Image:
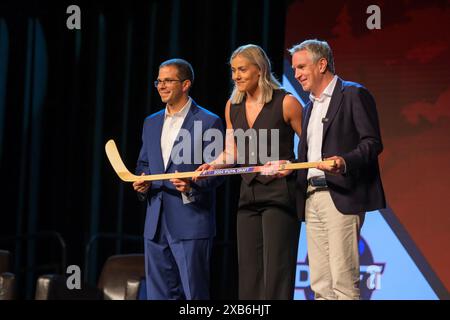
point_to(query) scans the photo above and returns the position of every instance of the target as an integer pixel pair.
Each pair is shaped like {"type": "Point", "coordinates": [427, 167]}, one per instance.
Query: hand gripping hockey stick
{"type": "Point", "coordinates": [125, 175]}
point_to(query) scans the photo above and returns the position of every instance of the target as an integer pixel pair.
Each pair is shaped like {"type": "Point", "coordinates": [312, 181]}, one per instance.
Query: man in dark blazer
{"type": "Point", "coordinates": [180, 220]}
{"type": "Point", "coordinates": [341, 124]}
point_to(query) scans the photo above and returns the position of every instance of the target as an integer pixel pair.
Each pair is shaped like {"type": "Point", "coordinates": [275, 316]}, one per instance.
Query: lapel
{"type": "Point", "coordinates": [307, 115]}
{"type": "Point", "coordinates": [335, 103]}
{"type": "Point", "coordinates": [156, 148]}
{"type": "Point", "coordinates": [304, 135]}
{"type": "Point", "coordinates": [187, 125]}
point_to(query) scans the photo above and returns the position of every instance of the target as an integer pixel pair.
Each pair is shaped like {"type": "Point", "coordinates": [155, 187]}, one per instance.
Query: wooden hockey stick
{"type": "Point", "coordinates": [125, 175]}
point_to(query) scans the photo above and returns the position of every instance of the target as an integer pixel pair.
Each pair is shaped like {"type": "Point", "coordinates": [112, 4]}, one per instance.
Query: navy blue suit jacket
{"type": "Point", "coordinates": [350, 130]}
{"type": "Point", "coordinates": [195, 220]}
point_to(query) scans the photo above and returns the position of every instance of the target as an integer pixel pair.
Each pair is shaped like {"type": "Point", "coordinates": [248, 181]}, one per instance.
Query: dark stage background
{"type": "Point", "coordinates": [64, 93]}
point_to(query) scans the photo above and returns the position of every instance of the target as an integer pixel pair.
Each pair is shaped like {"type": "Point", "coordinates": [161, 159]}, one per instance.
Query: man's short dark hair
{"type": "Point", "coordinates": [185, 71]}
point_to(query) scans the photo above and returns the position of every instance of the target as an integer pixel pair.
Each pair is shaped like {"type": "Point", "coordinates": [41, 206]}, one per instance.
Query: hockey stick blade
{"type": "Point", "coordinates": [116, 162]}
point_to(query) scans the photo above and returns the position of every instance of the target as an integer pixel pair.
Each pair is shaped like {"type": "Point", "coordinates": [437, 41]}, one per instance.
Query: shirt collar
{"type": "Point", "coordinates": [328, 92]}
{"type": "Point", "coordinates": [182, 113]}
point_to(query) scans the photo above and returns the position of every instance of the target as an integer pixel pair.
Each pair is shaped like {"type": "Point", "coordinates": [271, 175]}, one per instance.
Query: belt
{"type": "Point", "coordinates": [317, 182]}
{"type": "Point", "coordinates": [310, 193]}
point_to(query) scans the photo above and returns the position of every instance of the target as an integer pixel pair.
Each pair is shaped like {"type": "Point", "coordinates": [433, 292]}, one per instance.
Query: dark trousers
{"type": "Point", "coordinates": [267, 253]}
{"type": "Point", "coordinates": [268, 235]}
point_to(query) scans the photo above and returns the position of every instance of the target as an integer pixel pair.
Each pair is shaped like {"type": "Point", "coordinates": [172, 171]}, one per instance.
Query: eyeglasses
{"type": "Point", "coordinates": [165, 82]}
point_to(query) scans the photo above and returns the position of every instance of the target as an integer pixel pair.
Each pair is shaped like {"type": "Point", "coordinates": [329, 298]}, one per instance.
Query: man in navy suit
{"type": "Point", "coordinates": [180, 220]}
{"type": "Point", "coordinates": [341, 124]}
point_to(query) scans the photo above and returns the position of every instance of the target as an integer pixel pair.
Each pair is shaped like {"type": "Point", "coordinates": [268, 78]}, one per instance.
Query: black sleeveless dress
{"type": "Point", "coordinates": [258, 190]}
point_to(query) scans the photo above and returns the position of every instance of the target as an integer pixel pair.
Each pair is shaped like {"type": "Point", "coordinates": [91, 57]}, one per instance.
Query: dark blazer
{"type": "Point", "coordinates": [195, 220]}
{"type": "Point", "coordinates": [351, 130]}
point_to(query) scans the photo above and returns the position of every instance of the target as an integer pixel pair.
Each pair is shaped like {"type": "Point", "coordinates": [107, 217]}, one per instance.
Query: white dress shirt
{"type": "Point", "coordinates": [315, 126]}
{"type": "Point", "coordinates": [171, 127]}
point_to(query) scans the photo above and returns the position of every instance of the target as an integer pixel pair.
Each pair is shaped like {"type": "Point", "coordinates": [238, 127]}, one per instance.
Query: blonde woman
{"type": "Point", "coordinates": [267, 224]}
